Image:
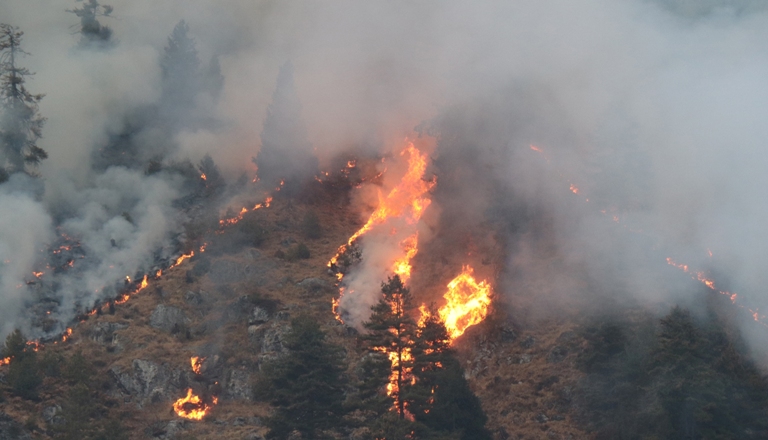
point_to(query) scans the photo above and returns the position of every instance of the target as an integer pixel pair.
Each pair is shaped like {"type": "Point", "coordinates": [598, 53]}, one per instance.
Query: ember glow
{"type": "Point", "coordinates": [467, 303]}
{"type": "Point", "coordinates": [5, 361]}
{"type": "Point", "coordinates": [192, 406]}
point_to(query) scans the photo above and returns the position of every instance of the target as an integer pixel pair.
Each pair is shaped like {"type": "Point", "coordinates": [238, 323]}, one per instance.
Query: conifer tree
{"type": "Point", "coordinates": [305, 385]}
{"type": "Point", "coordinates": [286, 153]}
{"type": "Point", "coordinates": [391, 330]}
{"type": "Point", "coordinates": [20, 123]}
{"type": "Point", "coordinates": [440, 397]}
{"type": "Point", "coordinates": [94, 34]}
{"type": "Point", "coordinates": [180, 72]}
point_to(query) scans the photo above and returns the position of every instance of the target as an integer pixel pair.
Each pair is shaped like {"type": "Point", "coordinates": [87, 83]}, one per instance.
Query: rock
{"type": "Point", "coordinates": [508, 334]}
{"type": "Point", "coordinates": [315, 285]}
{"type": "Point", "coordinates": [11, 429]}
{"type": "Point", "coordinates": [239, 421]}
{"type": "Point", "coordinates": [528, 342]}
{"type": "Point", "coordinates": [227, 271]}
{"type": "Point", "coordinates": [104, 332]}
{"type": "Point", "coordinates": [239, 385]}
{"type": "Point", "coordinates": [525, 359]}
{"type": "Point", "coordinates": [283, 316]}
{"type": "Point", "coordinates": [258, 316]}
{"type": "Point", "coordinates": [557, 354]}
{"type": "Point", "coordinates": [193, 298]}
{"type": "Point", "coordinates": [51, 415]}
{"type": "Point", "coordinates": [541, 418]}
{"type": "Point", "coordinates": [273, 339]}
{"type": "Point", "coordinates": [149, 381]}
{"type": "Point", "coordinates": [254, 436]}
{"type": "Point", "coordinates": [253, 254]}
{"type": "Point", "coordinates": [168, 318]}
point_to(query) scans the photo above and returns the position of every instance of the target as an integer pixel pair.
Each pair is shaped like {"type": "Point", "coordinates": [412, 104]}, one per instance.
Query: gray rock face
{"type": "Point", "coordinates": [239, 385]}
{"type": "Point", "coordinates": [104, 332]}
{"type": "Point", "coordinates": [150, 382]}
{"type": "Point", "coordinates": [273, 339]}
{"type": "Point", "coordinates": [167, 318]}
{"type": "Point", "coordinates": [258, 316]}
{"type": "Point", "coordinates": [51, 415]}
{"type": "Point", "coordinates": [227, 271]}
{"type": "Point", "coordinates": [315, 285]}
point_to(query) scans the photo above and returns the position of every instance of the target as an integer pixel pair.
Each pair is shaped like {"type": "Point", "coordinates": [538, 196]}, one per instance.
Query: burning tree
{"type": "Point", "coordinates": [20, 123]}
{"type": "Point", "coordinates": [391, 330]}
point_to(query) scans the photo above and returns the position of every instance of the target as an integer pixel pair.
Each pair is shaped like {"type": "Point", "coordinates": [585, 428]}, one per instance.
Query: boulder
{"type": "Point", "coordinates": [258, 316]}
{"type": "Point", "coordinates": [557, 354]}
{"type": "Point", "coordinates": [168, 318]}
{"type": "Point", "coordinates": [315, 285]}
{"type": "Point", "coordinates": [239, 385]}
{"type": "Point", "coordinates": [104, 332]}
{"type": "Point", "coordinates": [273, 339]}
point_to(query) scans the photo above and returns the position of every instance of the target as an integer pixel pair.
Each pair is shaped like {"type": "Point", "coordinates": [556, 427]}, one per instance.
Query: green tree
{"type": "Point", "coordinates": [305, 385]}
{"type": "Point", "coordinates": [94, 34]}
{"type": "Point", "coordinates": [391, 330]}
{"type": "Point", "coordinates": [20, 123]}
{"type": "Point", "coordinates": [440, 398]}
{"type": "Point", "coordinates": [23, 373]}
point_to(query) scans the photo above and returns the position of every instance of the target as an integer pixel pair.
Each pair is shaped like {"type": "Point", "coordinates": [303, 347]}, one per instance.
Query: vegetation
{"type": "Point", "coordinates": [20, 123]}
{"type": "Point", "coordinates": [23, 373]}
{"type": "Point", "coordinates": [674, 378]}
{"type": "Point", "coordinates": [94, 34]}
{"type": "Point", "coordinates": [306, 385]}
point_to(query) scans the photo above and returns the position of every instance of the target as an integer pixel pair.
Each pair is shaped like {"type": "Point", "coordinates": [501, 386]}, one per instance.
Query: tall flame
{"type": "Point", "coordinates": [467, 303]}
{"type": "Point", "coordinates": [197, 363]}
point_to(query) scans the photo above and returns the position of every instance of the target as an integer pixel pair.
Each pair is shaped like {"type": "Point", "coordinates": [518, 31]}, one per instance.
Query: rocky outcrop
{"type": "Point", "coordinates": [315, 285]}
{"type": "Point", "coordinates": [168, 318]}
{"type": "Point", "coordinates": [238, 385]}
{"type": "Point", "coordinates": [104, 333]}
{"type": "Point", "coordinates": [149, 382]}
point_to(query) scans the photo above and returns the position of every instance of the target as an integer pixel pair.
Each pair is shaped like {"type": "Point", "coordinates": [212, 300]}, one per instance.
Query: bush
{"type": "Point", "coordinates": [51, 363]}
{"type": "Point", "coordinates": [298, 252]}
{"type": "Point", "coordinates": [310, 226]}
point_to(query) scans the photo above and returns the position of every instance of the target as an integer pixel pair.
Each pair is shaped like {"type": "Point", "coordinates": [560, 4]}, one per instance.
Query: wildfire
{"type": "Point", "coordinates": [467, 303]}
{"type": "Point", "coordinates": [192, 407]}
{"type": "Point", "coordinates": [5, 361]}
{"type": "Point", "coordinates": [233, 220]}
{"type": "Point", "coordinates": [197, 363]}
{"type": "Point", "coordinates": [182, 258]}
{"type": "Point", "coordinates": [408, 198]}
{"type": "Point", "coordinates": [202, 176]}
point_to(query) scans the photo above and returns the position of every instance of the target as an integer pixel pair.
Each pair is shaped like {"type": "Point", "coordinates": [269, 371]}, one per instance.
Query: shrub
{"type": "Point", "coordinates": [310, 226]}
{"type": "Point", "coordinates": [298, 252]}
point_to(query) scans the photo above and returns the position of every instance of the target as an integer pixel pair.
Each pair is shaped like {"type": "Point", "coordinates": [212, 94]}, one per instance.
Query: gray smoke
{"type": "Point", "coordinates": [653, 109]}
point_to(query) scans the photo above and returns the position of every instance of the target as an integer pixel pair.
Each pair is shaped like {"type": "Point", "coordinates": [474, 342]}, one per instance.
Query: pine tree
{"type": "Point", "coordinates": [391, 330]}
{"type": "Point", "coordinates": [180, 73]}
{"type": "Point", "coordinates": [286, 153]}
{"type": "Point", "coordinates": [305, 386]}
{"type": "Point", "coordinates": [440, 398]}
{"type": "Point", "coordinates": [24, 372]}
{"type": "Point", "coordinates": [20, 123]}
{"type": "Point", "coordinates": [94, 34]}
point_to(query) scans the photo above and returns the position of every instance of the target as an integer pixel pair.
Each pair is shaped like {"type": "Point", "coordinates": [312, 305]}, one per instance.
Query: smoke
{"type": "Point", "coordinates": [651, 109]}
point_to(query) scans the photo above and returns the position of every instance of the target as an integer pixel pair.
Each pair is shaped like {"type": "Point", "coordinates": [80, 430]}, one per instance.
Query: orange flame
{"type": "Point", "coordinates": [467, 303]}
{"type": "Point", "coordinates": [197, 363]}
{"type": "Point", "coordinates": [5, 361]}
{"type": "Point", "coordinates": [182, 258]}
{"type": "Point", "coordinates": [408, 198]}
{"type": "Point", "coordinates": [202, 176]}
{"type": "Point", "coordinates": [192, 407]}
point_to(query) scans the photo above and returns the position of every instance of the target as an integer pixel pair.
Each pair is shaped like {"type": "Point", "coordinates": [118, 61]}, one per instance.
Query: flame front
{"type": "Point", "coordinates": [192, 407]}
{"type": "Point", "coordinates": [467, 303]}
